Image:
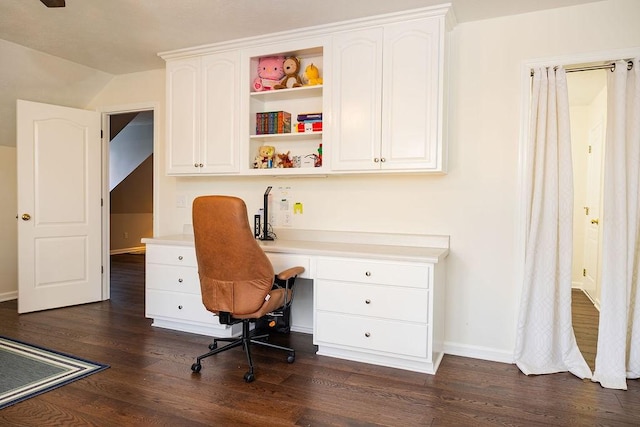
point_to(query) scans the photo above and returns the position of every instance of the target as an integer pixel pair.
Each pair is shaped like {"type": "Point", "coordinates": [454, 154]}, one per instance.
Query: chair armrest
{"type": "Point", "coordinates": [290, 272]}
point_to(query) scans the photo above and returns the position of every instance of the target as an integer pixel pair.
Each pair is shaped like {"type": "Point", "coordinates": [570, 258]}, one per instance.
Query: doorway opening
{"type": "Point", "coordinates": [129, 174]}
{"type": "Point", "coordinates": [588, 113]}
{"type": "Point", "coordinates": [130, 180]}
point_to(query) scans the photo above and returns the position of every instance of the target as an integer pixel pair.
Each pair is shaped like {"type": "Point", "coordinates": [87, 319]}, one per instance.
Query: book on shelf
{"type": "Point", "coordinates": [309, 127]}
{"type": "Point", "coordinates": [309, 117]}
{"type": "Point", "coordinates": [273, 122]}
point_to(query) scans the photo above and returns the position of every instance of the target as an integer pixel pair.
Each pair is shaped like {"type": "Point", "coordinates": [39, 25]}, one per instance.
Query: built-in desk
{"type": "Point", "coordinates": [373, 297]}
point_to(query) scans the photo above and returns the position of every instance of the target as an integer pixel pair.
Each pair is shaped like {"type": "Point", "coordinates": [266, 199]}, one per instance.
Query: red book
{"type": "Point", "coordinates": [310, 127]}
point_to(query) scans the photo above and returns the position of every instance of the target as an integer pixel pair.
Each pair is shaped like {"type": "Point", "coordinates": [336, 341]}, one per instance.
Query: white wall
{"type": "Point", "coordinates": [8, 224]}
{"type": "Point", "coordinates": [34, 76]}
{"type": "Point", "coordinates": [476, 203]}
{"type": "Point", "coordinates": [486, 131]}
{"type": "Point", "coordinates": [131, 91]}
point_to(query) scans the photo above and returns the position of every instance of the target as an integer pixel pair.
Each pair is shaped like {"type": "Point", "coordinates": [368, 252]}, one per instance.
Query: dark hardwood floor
{"type": "Point", "coordinates": [585, 317]}
{"type": "Point", "coordinates": [150, 381]}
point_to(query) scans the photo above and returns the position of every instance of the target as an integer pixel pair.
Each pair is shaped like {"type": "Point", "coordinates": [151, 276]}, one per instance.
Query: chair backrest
{"type": "Point", "coordinates": [235, 274]}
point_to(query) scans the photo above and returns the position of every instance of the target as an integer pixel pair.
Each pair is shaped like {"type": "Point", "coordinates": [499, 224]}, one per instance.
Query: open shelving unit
{"type": "Point", "coordinates": [305, 99]}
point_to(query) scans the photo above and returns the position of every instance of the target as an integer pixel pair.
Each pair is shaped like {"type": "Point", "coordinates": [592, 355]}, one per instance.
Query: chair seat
{"type": "Point", "coordinates": [275, 301]}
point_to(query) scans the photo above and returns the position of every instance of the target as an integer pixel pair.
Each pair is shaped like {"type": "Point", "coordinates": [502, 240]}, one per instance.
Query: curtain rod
{"type": "Point", "coordinates": [611, 67]}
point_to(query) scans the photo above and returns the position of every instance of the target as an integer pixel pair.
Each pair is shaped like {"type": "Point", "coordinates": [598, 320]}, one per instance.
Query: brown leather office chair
{"type": "Point", "coordinates": [236, 277]}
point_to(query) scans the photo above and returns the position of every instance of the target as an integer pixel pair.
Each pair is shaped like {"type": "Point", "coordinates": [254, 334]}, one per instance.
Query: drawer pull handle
{"type": "Point", "coordinates": [367, 334]}
{"type": "Point", "coordinates": [180, 280]}
{"type": "Point", "coordinates": [368, 274]}
{"type": "Point", "coordinates": [180, 258]}
{"type": "Point", "coordinates": [179, 307]}
{"type": "Point", "coordinates": [367, 301]}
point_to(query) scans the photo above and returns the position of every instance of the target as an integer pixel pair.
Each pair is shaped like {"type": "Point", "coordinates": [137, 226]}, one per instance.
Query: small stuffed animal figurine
{"type": "Point", "coordinates": [313, 75]}
{"type": "Point", "coordinates": [284, 160]}
{"type": "Point", "coordinates": [270, 72]}
{"type": "Point", "coordinates": [291, 69]}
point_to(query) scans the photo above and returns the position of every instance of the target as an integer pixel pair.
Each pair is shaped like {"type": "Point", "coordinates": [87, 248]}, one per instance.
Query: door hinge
{"type": "Point", "coordinates": [584, 272]}
{"type": "Point", "coordinates": [102, 269]}
{"type": "Point", "coordinates": [589, 149]}
{"type": "Point", "coordinates": [101, 202]}
{"type": "Point", "coordinates": [101, 134]}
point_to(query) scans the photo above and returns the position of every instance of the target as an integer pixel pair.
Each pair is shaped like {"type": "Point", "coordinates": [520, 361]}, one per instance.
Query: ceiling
{"type": "Point", "coordinates": [124, 36]}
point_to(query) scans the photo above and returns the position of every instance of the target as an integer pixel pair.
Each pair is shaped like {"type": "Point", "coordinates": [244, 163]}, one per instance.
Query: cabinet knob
{"type": "Point", "coordinates": [368, 274]}
{"type": "Point", "coordinates": [367, 301]}
{"type": "Point", "coordinates": [201, 165]}
{"type": "Point", "coordinates": [376, 160]}
{"type": "Point", "coordinates": [195, 165]}
{"type": "Point", "coordinates": [180, 258]}
{"type": "Point", "coordinates": [382, 159]}
{"type": "Point", "coordinates": [179, 307]}
{"type": "Point", "coordinates": [180, 280]}
{"type": "Point", "coordinates": [367, 334]}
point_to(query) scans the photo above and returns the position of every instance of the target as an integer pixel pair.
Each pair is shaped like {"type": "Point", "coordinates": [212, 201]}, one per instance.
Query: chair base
{"type": "Point", "coordinates": [246, 340]}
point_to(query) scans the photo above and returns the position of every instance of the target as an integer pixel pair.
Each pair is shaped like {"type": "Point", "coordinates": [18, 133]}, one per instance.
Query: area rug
{"type": "Point", "coordinates": [27, 370]}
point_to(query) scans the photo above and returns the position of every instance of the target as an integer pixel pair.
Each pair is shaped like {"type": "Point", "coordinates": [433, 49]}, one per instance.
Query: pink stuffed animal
{"type": "Point", "coordinates": [270, 72]}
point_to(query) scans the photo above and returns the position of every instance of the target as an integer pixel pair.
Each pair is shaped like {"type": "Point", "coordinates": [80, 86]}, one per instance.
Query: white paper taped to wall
{"type": "Point", "coordinates": [285, 207]}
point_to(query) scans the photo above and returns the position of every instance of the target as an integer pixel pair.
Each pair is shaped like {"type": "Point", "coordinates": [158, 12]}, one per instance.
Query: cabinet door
{"type": "Point", "coordinates": [183, 126]}
{"type": "Point", "coordinates": [356, 99]}
{"type": "Point", "coordinates": [411, 76]}
{"type": "Point", "coordinates": [220, 113]}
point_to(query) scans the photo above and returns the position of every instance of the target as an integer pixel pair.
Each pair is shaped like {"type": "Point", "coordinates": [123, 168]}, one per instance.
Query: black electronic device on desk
{"type": "Point", "coordinates": [266, 235]}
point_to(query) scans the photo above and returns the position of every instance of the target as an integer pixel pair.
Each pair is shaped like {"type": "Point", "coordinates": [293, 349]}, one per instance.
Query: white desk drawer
{"type": "Point", "coordinates": [408, 339]}
{"type": "Point", "coordinates": [172, 278]}
{"type": "Point", "coordinates": [172, 255]}
{"type": "Point", "coordinates": [281, 262]}
{"type": "Point", "coordinates": [178, 306]}
{"type": "Point", "coordinates": [395, 303]}
{"type": "Point", "coordinates": [380, 272]}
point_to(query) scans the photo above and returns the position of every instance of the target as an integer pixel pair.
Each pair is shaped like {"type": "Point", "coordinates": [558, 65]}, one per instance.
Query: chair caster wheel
{"type": "Point", "coordinates": [249, 377]}
{"type": "Point", "coordinates": [213, 346]}
{"type": "Point", "coordinates": [291, 358]}
{"type": "Point", "coordinates": [196, 367]}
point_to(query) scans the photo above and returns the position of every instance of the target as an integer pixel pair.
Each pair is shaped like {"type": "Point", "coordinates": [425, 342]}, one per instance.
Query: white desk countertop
{"type": "Point", "coordinates": [328, 248]}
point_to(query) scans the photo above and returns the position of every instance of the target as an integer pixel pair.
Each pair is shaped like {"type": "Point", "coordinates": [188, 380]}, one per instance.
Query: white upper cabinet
{"type": "Point", "coordinates": [387, 97]}
{"type": "Point", "coordinates": [357, 99]}
{"type": "Point", "coordinates": [380, 101]}
{"type": "Point", "coordinates": [183, 107]}
{"type": "Point", "coordinates": [203, 114]}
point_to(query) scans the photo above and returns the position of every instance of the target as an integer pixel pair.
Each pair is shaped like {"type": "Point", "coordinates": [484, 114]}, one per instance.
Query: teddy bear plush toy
{"type": "Point", "coordinates": [265, 157]}
{"type": "Point", "coordinates": [270, 73]}
{"type": "Point", "coordinates": [291, 70]}
{"type": "Point", "coordinates": [313, 75]}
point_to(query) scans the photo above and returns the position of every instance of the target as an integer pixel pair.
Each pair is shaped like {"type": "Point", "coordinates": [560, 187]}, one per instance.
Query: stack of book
{"type": "Point", "coordinates": [273, 122]}
{"type": "Point", "coordinates": [309, 122]}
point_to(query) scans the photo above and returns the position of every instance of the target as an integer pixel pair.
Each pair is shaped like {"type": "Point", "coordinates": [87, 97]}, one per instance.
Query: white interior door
{"type": "Point", "coordinates": [592, 218]}
{"type": "Point", "coordinates": [59, 206]}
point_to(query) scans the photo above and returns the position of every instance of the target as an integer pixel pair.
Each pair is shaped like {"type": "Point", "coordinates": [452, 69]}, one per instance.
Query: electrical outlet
{"type": "Point", "coordinates": [181, 201]}
{"type": "Point", "coordinates": [286, 219]}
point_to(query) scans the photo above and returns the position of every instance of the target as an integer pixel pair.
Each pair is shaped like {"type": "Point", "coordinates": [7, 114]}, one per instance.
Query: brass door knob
{"type": "Point", "coordinates": [26, 217]}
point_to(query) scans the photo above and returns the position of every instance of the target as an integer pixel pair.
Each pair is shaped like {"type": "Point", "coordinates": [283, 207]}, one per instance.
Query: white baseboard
{"type": "Point", "coordinates": [477, 352]}
{"type": "Point", "coordinates": [8, 296]}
